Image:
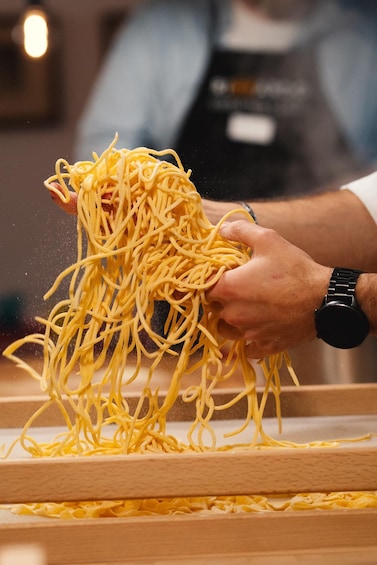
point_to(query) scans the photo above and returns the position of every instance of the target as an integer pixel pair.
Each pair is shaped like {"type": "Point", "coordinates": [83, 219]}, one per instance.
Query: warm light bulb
{"type": "Point", "coordinates": [35, 30]}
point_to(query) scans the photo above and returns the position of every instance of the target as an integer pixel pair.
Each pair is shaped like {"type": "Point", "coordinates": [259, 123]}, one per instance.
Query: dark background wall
{"type": "Point", "coordinates": [37, 241]}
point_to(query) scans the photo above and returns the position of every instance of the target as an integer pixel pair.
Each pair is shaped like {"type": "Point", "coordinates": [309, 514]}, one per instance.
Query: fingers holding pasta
{"type": "Point", "coordinates": [270, 300]}
{"type": "Point", "coordinates": [66, 203]}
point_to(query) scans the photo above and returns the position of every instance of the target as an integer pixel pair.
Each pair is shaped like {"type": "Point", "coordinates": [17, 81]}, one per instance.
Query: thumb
{"type": "Point", "coordinates": [241, 231]}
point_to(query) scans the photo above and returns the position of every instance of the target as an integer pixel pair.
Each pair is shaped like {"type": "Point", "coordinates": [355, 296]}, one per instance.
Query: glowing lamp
{"type": "Point", "coordinates": [35, 32]}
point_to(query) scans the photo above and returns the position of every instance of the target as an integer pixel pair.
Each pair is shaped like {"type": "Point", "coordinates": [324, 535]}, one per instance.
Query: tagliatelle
{"type": "Point", "coordinates": [202, 505]}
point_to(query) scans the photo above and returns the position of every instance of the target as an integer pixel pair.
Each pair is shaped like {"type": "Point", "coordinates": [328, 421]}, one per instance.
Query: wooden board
{"type": "Point", "coordinates": [349, 467]}
{"type": "Point", "coordinates": [309, 401]}
{"type": "Point", "coordinates": [188, 474]}
{"type": "Point", "coordinates": [122, 540]}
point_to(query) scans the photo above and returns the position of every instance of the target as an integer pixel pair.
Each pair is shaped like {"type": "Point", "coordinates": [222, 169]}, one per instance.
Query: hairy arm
{"type": "Point", "coordinates": [334, 228]}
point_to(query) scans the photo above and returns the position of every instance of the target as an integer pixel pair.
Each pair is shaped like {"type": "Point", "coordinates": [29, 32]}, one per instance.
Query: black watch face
{"type": "Point", "coordinates": [341, 325]}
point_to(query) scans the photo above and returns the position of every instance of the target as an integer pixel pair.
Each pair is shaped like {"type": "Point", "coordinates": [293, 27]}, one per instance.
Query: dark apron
{"type": "Point", "coordinates": [308, 148]}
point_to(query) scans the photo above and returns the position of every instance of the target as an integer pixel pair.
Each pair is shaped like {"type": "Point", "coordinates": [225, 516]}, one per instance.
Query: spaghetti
{"type": "Point", "coordinates": [143, 238]}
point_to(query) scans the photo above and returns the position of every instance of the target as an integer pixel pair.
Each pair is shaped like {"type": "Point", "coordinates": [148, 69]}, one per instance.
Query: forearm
{"type": "Point", "coordinates": [334, 228]}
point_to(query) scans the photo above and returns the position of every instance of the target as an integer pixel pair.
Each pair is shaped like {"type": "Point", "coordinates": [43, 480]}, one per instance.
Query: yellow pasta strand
{"type": "Point", "coordinates": [143, 238]}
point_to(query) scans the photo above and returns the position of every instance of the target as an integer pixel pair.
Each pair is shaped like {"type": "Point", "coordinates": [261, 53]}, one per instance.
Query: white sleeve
{"type": "Point", "coordinates": [366, 189]}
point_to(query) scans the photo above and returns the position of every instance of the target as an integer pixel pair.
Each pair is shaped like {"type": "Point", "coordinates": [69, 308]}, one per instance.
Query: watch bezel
{"type": "Point", "coordinates": [341, 325]}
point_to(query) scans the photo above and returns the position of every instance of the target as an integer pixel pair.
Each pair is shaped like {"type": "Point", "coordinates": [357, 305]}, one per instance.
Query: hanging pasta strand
{"type": "Point", "coordinates": [143, 238]}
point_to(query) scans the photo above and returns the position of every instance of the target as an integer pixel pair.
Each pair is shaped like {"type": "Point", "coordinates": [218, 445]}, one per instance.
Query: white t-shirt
{"type": "Point", "coordinates": [366, 189]}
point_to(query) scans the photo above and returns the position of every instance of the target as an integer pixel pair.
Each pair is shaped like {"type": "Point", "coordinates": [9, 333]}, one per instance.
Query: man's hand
{"type": "Point", "coordinates": [68, 205]}
{"type": "Point", "coordinates": [269, 301]}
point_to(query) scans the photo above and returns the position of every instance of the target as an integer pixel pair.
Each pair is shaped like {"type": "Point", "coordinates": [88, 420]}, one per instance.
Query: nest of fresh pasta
{"type": "Point", "coordinates": [142, 240]}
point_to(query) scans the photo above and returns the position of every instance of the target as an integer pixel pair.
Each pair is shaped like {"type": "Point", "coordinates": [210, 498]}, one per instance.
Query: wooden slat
{"type": "Point", "coordinates": [188, 474]}
{"type": "Point", "coordinates": [22, 554]}
{"type": "Point", "coordinates": [122, 540]}
{"type": "Point", "coordinates": [311, 400]}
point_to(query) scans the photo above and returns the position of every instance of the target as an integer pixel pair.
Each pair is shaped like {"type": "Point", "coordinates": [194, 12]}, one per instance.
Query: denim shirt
{"type": "Point", "coordinates": [159, 56]}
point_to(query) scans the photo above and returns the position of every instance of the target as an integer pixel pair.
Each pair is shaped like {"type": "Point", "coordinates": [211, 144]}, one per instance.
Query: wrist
{"type": "Point", "coordinates": [366, 296]}
{"type": "Point", "coordinates": [246, 206]}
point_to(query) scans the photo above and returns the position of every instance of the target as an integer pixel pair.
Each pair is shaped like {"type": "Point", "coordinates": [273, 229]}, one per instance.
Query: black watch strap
{"type": "Point", "coordinates": [342, 284]}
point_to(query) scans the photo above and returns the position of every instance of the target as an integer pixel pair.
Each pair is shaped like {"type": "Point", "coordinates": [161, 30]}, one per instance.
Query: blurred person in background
{"type": "Point", "coordinates": [259, 97]}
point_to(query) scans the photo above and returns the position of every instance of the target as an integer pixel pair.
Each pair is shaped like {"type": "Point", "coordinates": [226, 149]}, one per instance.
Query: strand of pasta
{"type": "Point", "coordinates": [142, 238]}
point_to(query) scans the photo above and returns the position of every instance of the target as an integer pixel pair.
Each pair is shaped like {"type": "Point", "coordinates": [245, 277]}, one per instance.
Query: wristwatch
{"type": "Point", "coordinates": [339, 321]}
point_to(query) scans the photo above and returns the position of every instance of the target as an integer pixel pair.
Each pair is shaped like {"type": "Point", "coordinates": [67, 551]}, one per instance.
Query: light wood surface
{"type": "Point", "coordinates": [308, 401]}
{"type": "Point", "coordinates": [246, 471]}
{"type": "Point", "coordinates": [122, 540]}
{"type": "Point", "coordinates": [24, 554]}
{"type": "Point", "coordinates": [188, 474]}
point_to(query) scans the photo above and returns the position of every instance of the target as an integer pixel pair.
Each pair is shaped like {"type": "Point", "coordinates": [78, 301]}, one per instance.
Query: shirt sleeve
{"type": "Point", "coordinates": [148, 78]}
{"type": "Point", "coordinates": [121, 99]}
{"type": "Point", "coordinates": [366, 190]}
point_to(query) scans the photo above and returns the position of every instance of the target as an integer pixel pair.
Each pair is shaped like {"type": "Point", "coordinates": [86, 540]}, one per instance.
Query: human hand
{"type": "Point", "coordinates": [269, 301]}
{"type": "Point", "coordinates": [215, 210]}
{"type": "Point", "coordinates": [68, 205]}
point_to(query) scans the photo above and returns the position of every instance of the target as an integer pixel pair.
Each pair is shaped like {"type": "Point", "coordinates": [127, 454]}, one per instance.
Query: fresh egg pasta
{"type": "Point", "coordinates": [143, 238]}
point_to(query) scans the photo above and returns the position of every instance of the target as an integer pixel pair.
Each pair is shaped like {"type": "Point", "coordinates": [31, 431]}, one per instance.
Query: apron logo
{"type": "Point", "coordinates": [277, 95]}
